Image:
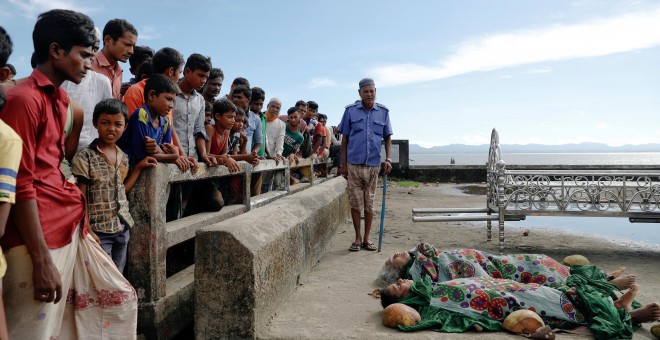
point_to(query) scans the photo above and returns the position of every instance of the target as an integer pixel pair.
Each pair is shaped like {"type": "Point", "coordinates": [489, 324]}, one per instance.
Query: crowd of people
{"type": "Point", "coordinates": [74, 140]}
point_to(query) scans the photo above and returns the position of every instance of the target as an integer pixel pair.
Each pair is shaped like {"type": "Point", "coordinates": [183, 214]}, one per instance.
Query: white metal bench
{"type": "Point", "coordinates": [514, 194]}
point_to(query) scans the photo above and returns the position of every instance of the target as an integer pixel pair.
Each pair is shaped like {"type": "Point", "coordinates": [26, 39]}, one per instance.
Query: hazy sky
{"type": "Point", "coordinates": [549, 72]}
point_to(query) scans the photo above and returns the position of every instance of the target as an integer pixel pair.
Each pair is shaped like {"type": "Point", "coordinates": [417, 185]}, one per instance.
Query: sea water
{"type": "Point", "coordinates": [619, 229]}
{"type": "Point", "coordinates": [627, 158]}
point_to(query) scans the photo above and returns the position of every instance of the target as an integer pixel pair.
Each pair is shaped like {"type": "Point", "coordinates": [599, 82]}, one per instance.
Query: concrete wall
{"type": "Point", "coordinates": [248, 265]}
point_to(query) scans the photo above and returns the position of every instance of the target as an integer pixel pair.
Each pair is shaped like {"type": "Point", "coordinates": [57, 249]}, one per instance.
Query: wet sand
{"type": "Point", "coordinates": [334, 302]}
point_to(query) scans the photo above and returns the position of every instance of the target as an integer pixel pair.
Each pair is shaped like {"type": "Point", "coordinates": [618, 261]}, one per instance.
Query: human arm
{"type": "Point", "coordinates": [279, 140]}
{"type": "Point", "coordinates": [146, 162]}
{"type": "Point", "coordinates": [71, 141]}
{"type": "Point", "coordinates": [83, 189]}
{"type": "Point", "coordinates": [243, 143]}
{"type": "Point", "coordinates": [257, 137]}
{"type": "Point", "coordinates": [343, 170]}
{"type": "Point", "coordinates": [388, 153]}
{"type": "Point", "coordinates": [251, 158]}
{"type": "Point", "coordinates": [203, 155]}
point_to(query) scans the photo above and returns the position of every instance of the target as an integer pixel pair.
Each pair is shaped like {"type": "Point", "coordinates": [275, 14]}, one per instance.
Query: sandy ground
{"type": "Point", "coordinates": [333, 301]}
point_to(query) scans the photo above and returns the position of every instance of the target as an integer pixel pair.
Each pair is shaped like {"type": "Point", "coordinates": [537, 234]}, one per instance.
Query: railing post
{"type": "Point", "coordinates": [148, 246]}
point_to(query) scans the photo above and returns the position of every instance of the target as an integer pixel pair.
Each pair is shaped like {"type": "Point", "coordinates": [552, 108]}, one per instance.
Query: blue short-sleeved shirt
{"type": "Point", "coordinates": [365, 131]}
{"type": "Point", "coordinates": [139, 126]}
{"type": "Point", "coordinates": [253, 131]}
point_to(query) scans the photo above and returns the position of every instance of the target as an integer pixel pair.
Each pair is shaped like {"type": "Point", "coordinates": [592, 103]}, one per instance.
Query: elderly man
{"type": "Point", "coordinates": [364, 126]}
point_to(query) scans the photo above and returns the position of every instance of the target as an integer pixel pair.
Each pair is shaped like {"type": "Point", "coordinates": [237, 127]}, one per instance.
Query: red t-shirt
{"type": "Point", "coordinates": [36, 110]}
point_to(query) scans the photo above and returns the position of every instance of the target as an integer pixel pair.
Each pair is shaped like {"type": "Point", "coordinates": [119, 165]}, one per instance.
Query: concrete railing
{"type": "Point", "coordinates": [166, 304]}
{"type": "Point", "coordinates": [247, 266]}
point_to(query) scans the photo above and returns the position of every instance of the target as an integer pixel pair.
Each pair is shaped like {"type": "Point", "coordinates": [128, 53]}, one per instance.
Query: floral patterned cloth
{"type": "Point", "coordinates": [98, 302]}
{"type": "Point", "coordinates": [444, 265]}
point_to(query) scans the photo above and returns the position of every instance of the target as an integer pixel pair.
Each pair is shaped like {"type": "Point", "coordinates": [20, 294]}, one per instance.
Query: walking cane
{"type": "Point", "coordinates": [382, 213]}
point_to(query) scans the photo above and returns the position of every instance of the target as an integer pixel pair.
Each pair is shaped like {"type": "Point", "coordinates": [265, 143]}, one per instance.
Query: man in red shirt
{"type": "Point", "coordinates": [119, 39]}
{"type": "Point", "coordinates": [46, 238]}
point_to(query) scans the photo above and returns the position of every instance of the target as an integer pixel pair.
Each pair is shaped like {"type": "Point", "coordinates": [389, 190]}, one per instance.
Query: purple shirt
{"type": "Point", "coordinates": [365, 131]}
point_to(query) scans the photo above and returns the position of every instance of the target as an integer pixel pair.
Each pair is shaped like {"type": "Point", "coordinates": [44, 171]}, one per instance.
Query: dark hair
{"type": "Point", "coordinates": [116, 28]}
{"type": "Point", "coordinates": [257, 93]}
{"type": "Point", "coordinates": [165, 58]}
{"type": "Point", "coordinates": [387, 299]}
{"type": "Point", "coordinates": [223, 106]}
{"type": "Point", "coordinates": [6, 47]}
{"type": "Point", "coordinates": [322, 116]}
{"type": "Point", "coordinates": [244, 90]}
{"type": "Point", "coordinates": [292, 110]}
{"type": "Point", "coordinates": [312, 105]}
{"type": "Point", "coordinates": [146, 69]}
{"type": "Point", "coordinates": [110, 106]}
{"type": "Point", "coordinates": [216, 73]}
{"type": "Point", "coordinates": [140, 55]}
{"type": "Point", "coordinates": [11, 68]}
{"type": "Point", "coordinates": [301, 102]}
{"type": "Point", "coordinates": [239, 111]}
{"type": "Point", "coordinates": [2, 101]}
{"type": "Point", "coordinates": [159, 84]}
{"type": "Point", "coordinates": [63, 27]}
{"type": "Point", "coordinates": [197, 61]}
{"type": "Point", "coordinates": [208, 106]}
{"type": "Point", "coordinates": [241, 81]}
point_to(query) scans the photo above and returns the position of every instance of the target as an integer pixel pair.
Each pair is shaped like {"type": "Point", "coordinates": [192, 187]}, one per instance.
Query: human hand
{"type": "Point", "coordinates": [182, 163]}
{"type": "Point", "coordinates": [150, 145]}
{"type": "Point", "coordinates": [192, 162]}
{"type": "Point", "coordinates": [232, 165]}
{"type": "Point", "coordinates": [210, 161]}
{"type": "Point", "coordinates": [388, 168]}
{"type": "Point", "coordinates": [47, 281]}
{"type": "Point", "coordinates": [170, 148]}
{"type": "Point", "coordinates": [278, 159]}
{"type": "Point", "coordinates": [253, 158]}
{"type": "Point", "coordinates": [147, 162]}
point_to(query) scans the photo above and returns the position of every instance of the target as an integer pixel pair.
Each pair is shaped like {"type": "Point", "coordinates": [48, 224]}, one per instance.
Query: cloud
{"type": "Point", "coordinates": [625, 33]}
{"type": "Point", "coordinates": [148, 32]}
{"type": "Point", "coordinates": [539, 70]}
{"type": "Point", "coordinates": [32, 8]}
{"type": "Point", "coordinates": [322, 82]}
{"type": "Point", "coordinates": [601, 126]}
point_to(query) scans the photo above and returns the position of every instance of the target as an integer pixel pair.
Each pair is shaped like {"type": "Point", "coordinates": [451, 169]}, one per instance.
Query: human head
{"type": "Point", "coordinates": [197, 70]}
{"type": "Point", "coordinates": [159, 93]}
{"type": "Point", "coordinates": [6, 47]}
{"type": "Point", "coordinates": [302, 108]}
{"type": "Point", "coordinates": [239, 120]}
{"type": "Point", "coordinates": [395, 292]}
{"type": "Point", "coordinates": [294, 116]}
{"type": "Point", "coordinates": [238, 81]}
{"type": "Point", "coordinates": [274, 106]}
{"type": "Point", "coordinates": [257, 99]}
{"type": "Point", "coordinates": [241, 96]}
{"type": "Point", "coordinates": [312, 109]}
{"type": "Point", "coordinates": [213, 84]}
{"type": "Point", "coordinates": [109, 106]}
{"type": "Point", "coordinates": [119, 39]}
{"type": "Point", "coordinates": [140, 55]}
{"type": "Point", "coordinates": [367, 92]}
{"type": "Point", "coordinates": [323, 119]}
{"type": "Point", "coordinates": [145, 71]}
{"type": "Point", "coordinates": [391, 269]}
{"type": "Point", "coordinates": [168, 61]}
{"type": "Point", "coordinates": [224, 113]}
{"type": "Point", "coordinates": [64, 38]}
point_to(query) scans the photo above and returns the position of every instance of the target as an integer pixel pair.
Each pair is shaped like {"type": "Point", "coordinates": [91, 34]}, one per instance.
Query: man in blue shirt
{"type": "Point", "coordinates": [364, 126]}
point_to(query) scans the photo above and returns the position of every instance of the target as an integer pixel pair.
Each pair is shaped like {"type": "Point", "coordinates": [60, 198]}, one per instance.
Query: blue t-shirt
{"type": "Point", "coordinates": [140, 126]}
{"type": "Point", "coordinates": [365, 131]}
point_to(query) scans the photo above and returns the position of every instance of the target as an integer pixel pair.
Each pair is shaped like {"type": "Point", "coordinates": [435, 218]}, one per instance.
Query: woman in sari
{"type": "Point", "coordinates": [443, 265]}
{"type": "Point", "coordinates": [484, 302]}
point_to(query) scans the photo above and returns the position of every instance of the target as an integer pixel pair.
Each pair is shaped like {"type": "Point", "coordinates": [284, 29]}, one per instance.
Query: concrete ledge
{"type": "Point", "coordinates": [263, 199]}
{"type": "Point", "coordinates": [248, 265]}
{"type": "Point", "coordinates": [165, 318]}
{"type": "Point", "coordinates": [184, 229]}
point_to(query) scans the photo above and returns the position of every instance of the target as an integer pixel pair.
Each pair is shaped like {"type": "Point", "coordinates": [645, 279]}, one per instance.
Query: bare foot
{"type": "Point", "coordinates": [625, 300]}
{"type": "Point", "coordinates": [623, 282]}
{"type": "Point", "coordinates": [648, 313]}
{"type": "Point", "coordinates": [616, 273]}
